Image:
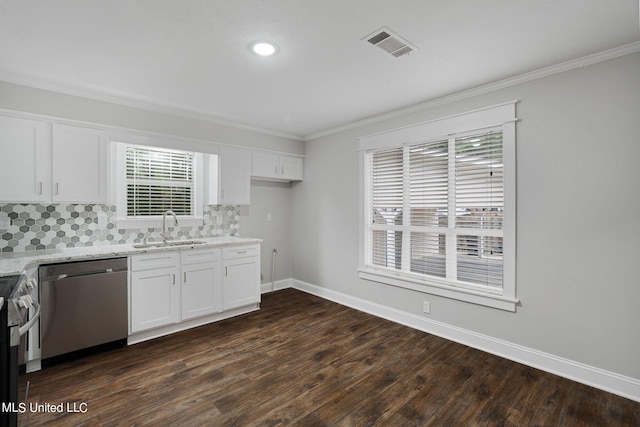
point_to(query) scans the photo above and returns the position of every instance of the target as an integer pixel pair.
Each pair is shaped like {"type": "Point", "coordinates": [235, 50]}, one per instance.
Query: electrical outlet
{"type": "Point", "coordinates": [426, 306]}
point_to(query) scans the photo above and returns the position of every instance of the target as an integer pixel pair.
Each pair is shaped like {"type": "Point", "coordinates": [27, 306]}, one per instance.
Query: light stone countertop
{"type": "Point", "coordinates": [13, 264]}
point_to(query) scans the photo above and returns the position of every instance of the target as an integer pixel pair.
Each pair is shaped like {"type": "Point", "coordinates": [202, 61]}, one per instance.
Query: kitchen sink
{"type": "Point", "coordinates": [184, 242]}
{"type": "Point", "coordinates": [168, 243]}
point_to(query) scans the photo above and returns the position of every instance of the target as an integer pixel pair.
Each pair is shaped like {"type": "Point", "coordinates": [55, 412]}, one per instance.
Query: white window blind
{"type": "Point", "coordinates": [436, 209]}
{"type": "Point", "coordinates": [479, 203]}
{"type": "Point", "coordinates": [159, 180]}
{"type": "Point", "coordinates": [386, 207]}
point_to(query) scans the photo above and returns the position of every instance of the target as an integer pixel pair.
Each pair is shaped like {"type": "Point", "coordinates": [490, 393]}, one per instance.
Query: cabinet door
{"type": "Point", "coordinates": [211, 187]}
{"type": "Point", "coordinates": [266, 165]}
{"type": "Point", "coordinates": [270, 166]}
{"type": "Point", "coordinates": [79, 165]}
{"type": "Point", "coordinates": [235, 176]}
{"type": "Point", "coordinates": [154, 298]}
{"type": "Point", "coordinates": [291, 168]}
{"type": "Point", "coordinates": [241, 282]}
{"type": "Point", "coordinates": [201, 289]}
{"type": "Point", "coordinates": [25, 150]}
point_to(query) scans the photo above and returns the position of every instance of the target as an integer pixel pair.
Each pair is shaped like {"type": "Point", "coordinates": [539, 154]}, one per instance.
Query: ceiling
{"type": "Point", "coordinates": [192, 57]}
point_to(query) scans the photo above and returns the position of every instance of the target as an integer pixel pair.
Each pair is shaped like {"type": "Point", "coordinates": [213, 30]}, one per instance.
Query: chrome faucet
{"type": "Point", "coordinates": [164, 224]}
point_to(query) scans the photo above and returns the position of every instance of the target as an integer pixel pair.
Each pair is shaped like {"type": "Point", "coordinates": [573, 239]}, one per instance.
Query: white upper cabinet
{"type": "Point", "coordinates": [45, 162]}
{"type": "Point", "coordinates": [291, 168]}
{"type": "Point", "coordinates": [41, 165]}
{"type": "Point", "coordinates": [272, 166]}
{"type": "Point", "coordinates": [25, 150]}
{"type": "Point", "coordinates": [80, 165]}
{"type": "Point", "coordinates": [234, 176]}
{"type": "Point", "coordinates": [266, 165]}
{"type": "Point", "coordinates": [211, 176]}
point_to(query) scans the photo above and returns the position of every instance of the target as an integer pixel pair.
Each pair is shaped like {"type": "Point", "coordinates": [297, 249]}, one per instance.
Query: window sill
{"type": "Point", "coordinates": [157, 222]}
{"type": "Point", "coordinates": [434, 288]}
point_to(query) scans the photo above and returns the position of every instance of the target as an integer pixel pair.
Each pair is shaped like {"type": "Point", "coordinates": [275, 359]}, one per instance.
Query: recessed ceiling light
{"type": "Point", "coordinates": [263, 48]}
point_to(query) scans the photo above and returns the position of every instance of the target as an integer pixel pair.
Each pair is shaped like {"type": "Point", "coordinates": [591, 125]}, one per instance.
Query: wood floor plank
{"type": "Point", "coordinates": [305, 361]}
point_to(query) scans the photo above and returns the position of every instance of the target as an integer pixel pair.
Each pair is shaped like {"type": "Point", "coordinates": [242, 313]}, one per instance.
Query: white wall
{"type": "Point", "coordinates": [578, 220]}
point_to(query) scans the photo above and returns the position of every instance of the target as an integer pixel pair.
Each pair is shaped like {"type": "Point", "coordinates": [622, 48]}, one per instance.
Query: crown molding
{"type": "Point", "coordinates": [134, 101]}
{"type": "Point", "coordinates": [490, 87]}
{"type": "Point", "coordinates": [127, 99]}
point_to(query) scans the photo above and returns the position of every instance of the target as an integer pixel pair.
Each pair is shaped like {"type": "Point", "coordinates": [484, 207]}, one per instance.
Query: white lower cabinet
{"type": "Point", "coordinates": [167, 287]}
{"type": "Point", "coordinates": [241, 278]}
{"type": "Point", "coordinates": [201, 290]}
{"type": "Point", "coordinates": [170, 287]}
{"type": "Point", "coordinates": [154, 290]}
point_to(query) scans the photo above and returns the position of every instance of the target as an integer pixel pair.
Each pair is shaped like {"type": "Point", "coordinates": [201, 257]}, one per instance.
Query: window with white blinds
{"type": "Point", "coordinates": [159, 180]}
{"type": "Point", "coordinates": [439, 207]}
{"type": "Point", "coordinates": [435, 208]}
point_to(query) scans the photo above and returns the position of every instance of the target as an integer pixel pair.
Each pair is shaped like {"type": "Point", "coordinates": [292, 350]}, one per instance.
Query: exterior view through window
{"type": "Point", "coordinates": [159, 180]}
{"type": "Point", "coordinates": [435, 208]}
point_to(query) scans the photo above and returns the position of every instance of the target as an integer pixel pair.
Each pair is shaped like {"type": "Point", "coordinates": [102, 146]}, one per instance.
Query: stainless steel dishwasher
{"type": "Point", "coordinates": [84, 304]}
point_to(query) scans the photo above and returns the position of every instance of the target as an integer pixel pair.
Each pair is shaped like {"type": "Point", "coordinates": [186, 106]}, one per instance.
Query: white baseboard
{"type": "Point", "coordinates": [599, 378]}
{"type": "Point", "coordinates": [277, 285]}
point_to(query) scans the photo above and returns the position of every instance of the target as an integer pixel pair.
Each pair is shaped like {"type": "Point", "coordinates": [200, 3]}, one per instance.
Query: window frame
{"type": "Point", "coordinates": [500, 116]}
{"type": "Point", "coordinates": [119, 148]}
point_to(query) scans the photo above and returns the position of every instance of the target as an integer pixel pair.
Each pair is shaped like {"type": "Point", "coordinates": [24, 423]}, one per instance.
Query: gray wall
{"type": "Point", "coordinates": [272, 196]}
{"type": "Point", "coordinates": [37, 101]}
{"type": "Point", "coordinates": [578, 218]}
{"type": "Point", "coordinates": [578, 202]}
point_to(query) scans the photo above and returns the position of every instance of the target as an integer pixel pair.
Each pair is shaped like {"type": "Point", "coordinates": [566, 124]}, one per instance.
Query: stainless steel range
{"type": "Point", "coordinates": [19, 313]}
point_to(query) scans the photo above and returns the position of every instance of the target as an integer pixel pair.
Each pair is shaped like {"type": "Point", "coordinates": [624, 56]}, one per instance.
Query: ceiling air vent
{"type": "Point", "coordinates": [390, 42]}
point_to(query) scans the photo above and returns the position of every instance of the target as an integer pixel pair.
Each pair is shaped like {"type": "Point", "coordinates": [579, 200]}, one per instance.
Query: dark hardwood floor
{"type": "Point", "coordinates": [305, 361]}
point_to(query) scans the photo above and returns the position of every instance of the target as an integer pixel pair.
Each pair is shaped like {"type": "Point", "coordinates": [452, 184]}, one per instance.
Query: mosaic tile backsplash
{"type": "Point", "coordinates": [29, 227]}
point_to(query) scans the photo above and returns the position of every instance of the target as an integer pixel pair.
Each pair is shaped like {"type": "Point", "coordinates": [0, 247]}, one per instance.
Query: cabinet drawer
{"type": "Point", "coordinates": [154, 260]}
{"type": "Point", "coordinates": [240, 251]}
{"type": "Point", "coordinates": [196, 256]}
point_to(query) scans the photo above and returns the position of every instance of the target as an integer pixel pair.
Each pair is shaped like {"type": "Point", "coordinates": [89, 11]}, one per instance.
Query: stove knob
{"type": "Point", "coordinates": [25, 301]}
{"type": "Point", "coordinates": [31, 283]}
